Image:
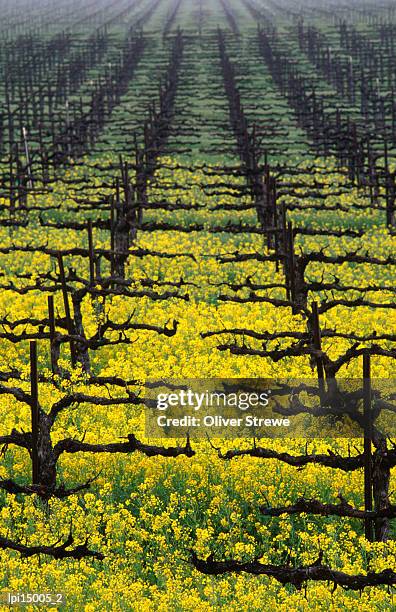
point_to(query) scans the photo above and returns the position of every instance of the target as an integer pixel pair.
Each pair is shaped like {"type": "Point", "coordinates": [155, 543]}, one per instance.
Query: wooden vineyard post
{"type": "Point", "coordinates": [290, 245]}
{"type": "Point", "coordinates": [69, 322]}
{"type": "Point", "coordinates": [267, 205]}
{"type": "Point", "coordinates": [389, 187]}
{"type": "Point", "coordinates": [51, 316]}
{"type": "Point", "coordinates": [390, 192]}
{"type": "Point", "coordinates": [27, 155]}
{"type": "Point", "coordinates": [370, 171]}
{"type": "Point", "coordinates": [368, 486]}
{"type": "Point", "coordinates": [275, 223]}
{"type": "Point", "coordinates": [91, 255]}
{"type": "Point", "coordinates": [112, 237]}
{"type": "Point", "coordinates": [34, 412]}
{"type": "Point", "coordinates": [285, 250]}
{"type": "Point", "coordinates": [318, 346]}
